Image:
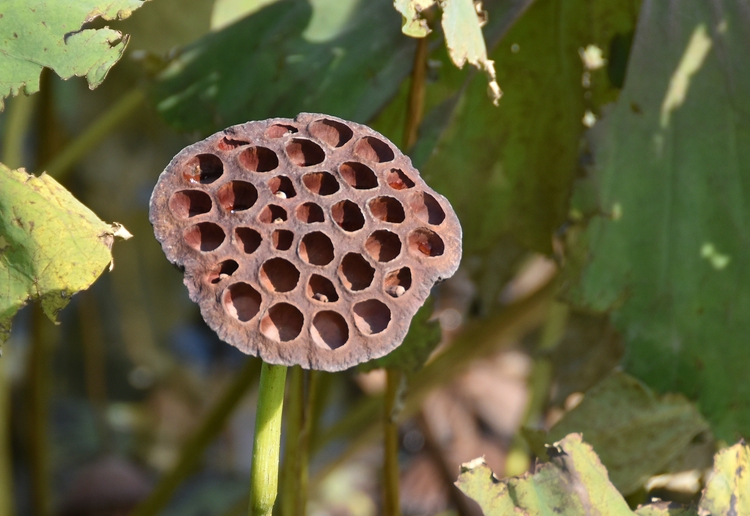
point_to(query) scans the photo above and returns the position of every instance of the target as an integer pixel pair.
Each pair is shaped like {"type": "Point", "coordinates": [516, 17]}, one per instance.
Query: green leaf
{"type": "Point", "coordinates": [51, 245]}
{"type": "Point", "coordinates": [635, 433]}
{"type": "Point", "coordinates": [35, 34]}
{"type": "Point", "coordinates": [670, 258]}
{"type": "Point", "coordinates": [508, 172]}
{"type": "Point", "coordinates": [424, 335]}
{"type": "Point", "coordinates": [573, 482]}
{"type": "Point", "coordinates": [728, 488]}
{"type": "Point", "coordinates": [413, 24]}
{"type": "Point", "coordinates": [287, 58]}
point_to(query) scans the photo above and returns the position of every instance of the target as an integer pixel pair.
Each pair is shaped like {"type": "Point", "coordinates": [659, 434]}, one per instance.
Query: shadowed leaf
{"type": "Point", "coordinates": [669, 258]}
{"type": "Point", "coordinates": [634, 433]}
{"type": "Point", "coordinates": [289, 61]}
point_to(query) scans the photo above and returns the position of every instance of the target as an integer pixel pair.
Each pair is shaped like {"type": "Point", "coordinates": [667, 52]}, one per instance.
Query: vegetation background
{"type": "Point", "coordinates": [604, 288]}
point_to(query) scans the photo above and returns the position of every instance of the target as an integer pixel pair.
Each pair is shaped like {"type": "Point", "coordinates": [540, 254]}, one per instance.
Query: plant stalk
{"type": "Point", "coordinates": [61, 164]}
{"type": "Point", "coordinates": [391, 503]}
{"type": "Point", "coordinates": [194, 448]}
{"type": "Point", "coordinates": [290, 475]}
{"type": "Point", "coordinates": [415, 103]}
{"type": "Point", "coordinates": [264, 475]}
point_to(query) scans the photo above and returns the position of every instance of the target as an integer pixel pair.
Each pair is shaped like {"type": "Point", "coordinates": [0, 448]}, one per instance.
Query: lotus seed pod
{"type": "Point", "coordinates": [309, 242]}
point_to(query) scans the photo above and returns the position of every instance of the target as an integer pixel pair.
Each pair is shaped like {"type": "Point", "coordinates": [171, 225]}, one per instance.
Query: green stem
{"type": "Point", "coordinates": [264, 475]}
{"type": "Point", "coordinates": [194, 448]}
{"type": "Point", "coordinates": [61, 164]}
{"type": "Point", "coordinates": [290, 475]}
{"type": "Point", "coordinates": [38, 380]}
{"type": "Point", "coordinates": [20, 110]}
{"type": "Point", "coordinates": [391, 504]}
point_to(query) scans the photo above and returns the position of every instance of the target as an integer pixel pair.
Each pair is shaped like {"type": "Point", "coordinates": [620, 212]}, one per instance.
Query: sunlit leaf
{"type": "Point", "coordinates": [414, 24]}
{"type": "Point", "coordinates": [634, 432]}
{"type": "Point", "coordinates": [728, 488]}
{"type": "Point", "coordinates": [35, 34]}
{"type": "Point", "coordinates": [343, 57]}
{"type": "Point", "coordinates": [51, 245]}
{"type": "Point", "coordinates": [668, 257]}
{"type": "Point", "coordinates": [572, 483]}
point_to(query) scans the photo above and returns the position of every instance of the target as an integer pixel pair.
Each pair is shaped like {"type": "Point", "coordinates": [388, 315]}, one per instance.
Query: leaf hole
{"type": "Point", "coordinates": [242, 301]}
{"type": "Point", "coordinates": [282, 322]}
{"type": "Point", "coordinates": [258, 159]}
{"type": "Point", "coordinates": [356, 272]}
{"type": "Point", "coordinates": [205, 236]}
{"type": "Point", "coordinates": [305, 153]}
{"type": "Point", "coordinates": [371, 316]}
{"type": "Point", "coordinates": [329, 330]}
{"type": "Point", "coordinates": [348, 215]}
{"type": "Point", "coordinates": [189, 203]}
{"type": "Point", "coordinates": [383, 245]}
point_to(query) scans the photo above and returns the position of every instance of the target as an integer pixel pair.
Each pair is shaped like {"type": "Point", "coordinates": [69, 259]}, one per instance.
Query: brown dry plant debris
{"type": "Point", "coordinates": [309, 242]}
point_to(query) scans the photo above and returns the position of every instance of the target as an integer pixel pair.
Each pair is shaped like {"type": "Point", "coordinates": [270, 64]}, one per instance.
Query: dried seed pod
{"type": "Point", "coordinates": [311, 241]}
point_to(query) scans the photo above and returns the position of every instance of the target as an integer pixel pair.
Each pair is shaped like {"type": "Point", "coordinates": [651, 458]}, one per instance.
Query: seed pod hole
{"type": "Point", "coordinates": [222, 271]}
{"type": "Point", "coordinates": [329, 330]}
{"type": "Point", "coordinates": [189, 203]}
{"type": "Point", "coordinates": [387, 209]}
{"type": "Point", "coordinates": [258, 159]}
{"type": "Point", "coordinates": [355, 272]}
{"type": "Point", "coordinates": [383, 245]}
{"type": "Point", "coordinates": [205, 236]}
{"type": "Point", "coordinates": [272, 214]}
{"type": "Point", "coordinates": [282, 322]}
{"type": "Point", "coordinates": [305, 153]}
{"type": "Point", "coordinates": [247, 239]}
{"type": "Point", "coordinates": [321, 289]}
{"type": "Point", "coordinates": [397, 180]}
{"type": "Point", "coordinates": [358, 176]}
{"type": "Point", "coordinates": [237, 196]}
{"type": "Point", "coordinates": [227, 144]}
{"type": "Point", "coordinates": [374, 150]}
{"type": "Point", "coordinates": [398, 282]}
{"type": "Point", "coordinates": [241, 301]}
{"type": "Point", "coordinates": [203, 169]}
{"type": "Point", "coordinates": [282, 187]}
{"type": "Point", "coordinates": [331, 132]}
{"type": "Point", "coordinates": [371, 316]}
{"type": "Point", "coordinates": [316, 248]}
{"type": "Point", "coordinates": [426, 242]}
{"type": "Point", "coordinates": [310, 213]}
{"type": "Point", "coordinates": [321, 183]}
{"type": "Point", "coordinates": [282, 239]}
{"type": "Point", "coordinates": [426, 208]}
{"type": "Point", "coordinates": [348, 216]}
{"type": "Point", "coordinates": [280, 130]}
{"type": "Point", "coordinates": [279, 275]}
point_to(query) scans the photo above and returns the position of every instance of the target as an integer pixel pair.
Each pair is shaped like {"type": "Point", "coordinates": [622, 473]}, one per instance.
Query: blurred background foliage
{"type": "Point", "coordinates": [604, 287]}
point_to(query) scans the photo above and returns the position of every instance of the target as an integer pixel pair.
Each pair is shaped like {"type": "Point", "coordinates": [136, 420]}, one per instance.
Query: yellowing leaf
{"type": "Point", "coordinates": [573, 482]}
{"type": "Point", "coordinates": [728, 489]}
{"type": "Point", "coordinates": [414, 24]}
{"type": "Point", "coordinates": [51, 245]}
{"type": "Point", "coordinates": [48, 33]}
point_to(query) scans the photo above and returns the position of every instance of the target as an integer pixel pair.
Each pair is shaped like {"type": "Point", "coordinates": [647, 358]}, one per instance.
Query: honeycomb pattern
{"type": "Point", "coordinates": [311, 241]}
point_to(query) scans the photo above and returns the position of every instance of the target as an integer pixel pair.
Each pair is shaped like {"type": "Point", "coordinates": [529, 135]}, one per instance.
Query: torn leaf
{"type": "Point", "coordinates": [51, 245]}
{"type": "Point", "coordinates": [35, 34]}
{"type": "Point", "coordinates": [414, 24]}
{"type": "Point", "coordinates": [462, 24]}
